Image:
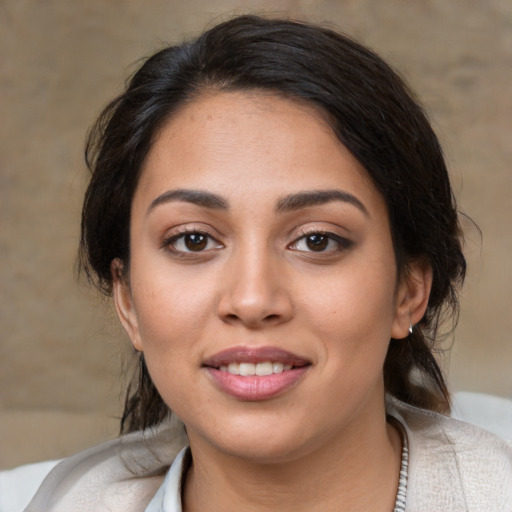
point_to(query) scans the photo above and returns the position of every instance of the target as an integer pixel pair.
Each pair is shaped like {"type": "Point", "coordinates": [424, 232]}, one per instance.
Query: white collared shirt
{"type": "Point", "coordinates": [168, 496]}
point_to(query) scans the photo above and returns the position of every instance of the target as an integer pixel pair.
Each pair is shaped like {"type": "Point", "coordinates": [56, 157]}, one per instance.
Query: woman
{"type": "Point", "coordinates": [272, 213]}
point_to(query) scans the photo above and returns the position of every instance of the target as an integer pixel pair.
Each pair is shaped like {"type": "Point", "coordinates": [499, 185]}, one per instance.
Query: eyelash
{"type": "Point", "coordinates": [171, 242]}
{"type": "Point", "coordinates": [341, 242]}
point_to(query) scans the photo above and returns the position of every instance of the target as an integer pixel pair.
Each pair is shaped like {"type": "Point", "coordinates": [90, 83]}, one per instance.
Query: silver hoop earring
{"type": "Point", "coordinates": [410, 328]}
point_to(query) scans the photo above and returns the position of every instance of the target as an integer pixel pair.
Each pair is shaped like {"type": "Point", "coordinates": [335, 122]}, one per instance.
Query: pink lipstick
{"type": "Point", "coordinates": [253, 374]}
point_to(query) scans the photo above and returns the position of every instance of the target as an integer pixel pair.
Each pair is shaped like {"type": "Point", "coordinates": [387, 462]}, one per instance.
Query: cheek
{"type": "Point", "coordinates": [172, 319]}
{"type": "Point", "coordinates": [353, 312]}
{"type": "Point", "coordinates": [171, 310]}
{"type": "Point", "coordinates": [360, 300]}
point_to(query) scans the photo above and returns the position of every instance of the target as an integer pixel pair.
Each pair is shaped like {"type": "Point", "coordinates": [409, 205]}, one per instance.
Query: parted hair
{"type": "Point", "coordinates": [371, 111]}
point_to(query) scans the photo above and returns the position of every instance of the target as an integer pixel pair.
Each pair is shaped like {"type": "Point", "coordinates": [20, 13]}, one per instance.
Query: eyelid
{"type": "Point", "coordinates": [342, 241]}
{"type": "Point", "coordinates": [181, 231]}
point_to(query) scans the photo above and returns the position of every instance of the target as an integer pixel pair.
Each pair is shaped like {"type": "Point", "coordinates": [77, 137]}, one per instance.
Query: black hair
{"type": "Point", "coordinates": [373, 114]}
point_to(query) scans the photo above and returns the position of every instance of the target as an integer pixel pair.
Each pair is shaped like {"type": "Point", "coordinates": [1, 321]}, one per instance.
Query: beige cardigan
{"type": "Point", "coordinates": [453, 467]}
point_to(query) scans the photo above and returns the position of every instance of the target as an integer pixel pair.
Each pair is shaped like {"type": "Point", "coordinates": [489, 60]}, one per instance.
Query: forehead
{"type": "Point", "coordinates": [259, 142]}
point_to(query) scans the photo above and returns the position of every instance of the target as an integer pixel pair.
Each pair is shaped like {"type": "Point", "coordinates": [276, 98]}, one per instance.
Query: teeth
{"type": "Point", "coordinates": [233, 368]}
{"type": "Point", "coordinates": [260, 369]}
{"type": "Point", "coordinates": [264, 369]}
{"type": "Point", "coordinates": [277, 367]}
{"type": "Point", "coordinates": [247, 369]}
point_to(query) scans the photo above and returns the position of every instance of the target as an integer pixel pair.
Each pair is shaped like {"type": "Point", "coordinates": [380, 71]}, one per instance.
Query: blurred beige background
{"type": "Point", "coordinates": [61, 351]}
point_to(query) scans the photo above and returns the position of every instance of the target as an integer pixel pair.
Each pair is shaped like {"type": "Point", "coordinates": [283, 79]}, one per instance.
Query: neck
{"type": "Point", "coordinates": [357, 470]}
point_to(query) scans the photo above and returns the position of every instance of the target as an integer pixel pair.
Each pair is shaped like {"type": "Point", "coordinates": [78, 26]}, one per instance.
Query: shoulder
{"type": "Point", "coordinates": [18, 485]}
{"type": "Point", "coordinates": [455, 465]}
{"type": "Point", "coordinates": [120, 475]}
{"type": "Point", "coordinates": [493, 413]}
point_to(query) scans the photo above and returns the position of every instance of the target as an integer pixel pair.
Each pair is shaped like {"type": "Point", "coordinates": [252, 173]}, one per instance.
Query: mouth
{"type": "Point", "coordinates": [262, 361]}
{"type": "Point", "coordinates": [253, 374]}
{"type": "Point", "coordinates": [260, 369]}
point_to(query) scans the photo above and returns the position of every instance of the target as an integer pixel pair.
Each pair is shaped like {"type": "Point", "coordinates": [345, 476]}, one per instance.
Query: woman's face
{"type": "Point", "coordinates": [259, 244]}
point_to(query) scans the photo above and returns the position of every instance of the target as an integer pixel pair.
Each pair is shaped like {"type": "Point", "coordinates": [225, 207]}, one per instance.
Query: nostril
{"type": "Point", "coordinates": [264, 319]}
{"type": "Point", "coordinates": [254, 309]}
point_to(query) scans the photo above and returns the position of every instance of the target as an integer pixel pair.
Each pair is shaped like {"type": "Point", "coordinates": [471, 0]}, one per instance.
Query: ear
{"type": "Point", "coordinates": [124, 303]}
{"type": "Point", "coordinates": [412, 297]}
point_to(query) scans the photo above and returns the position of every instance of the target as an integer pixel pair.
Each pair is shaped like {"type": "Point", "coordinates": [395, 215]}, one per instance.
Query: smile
{"type": "Point", "coordinates": [254, 374]}
{"type": "Point", "coordinates": [260, 369]}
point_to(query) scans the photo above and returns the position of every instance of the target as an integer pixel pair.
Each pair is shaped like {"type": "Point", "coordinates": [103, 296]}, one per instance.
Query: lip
{"type": "Point", "coordinates": [255, 388]}
{"type": "Point", "coordinates": [254, 355]}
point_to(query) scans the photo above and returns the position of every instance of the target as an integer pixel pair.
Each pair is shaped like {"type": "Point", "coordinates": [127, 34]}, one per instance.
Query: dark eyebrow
{"type": "Point", "coordinates": [198, 197]}
{"type": "Point", "coordinates": [317, 197]}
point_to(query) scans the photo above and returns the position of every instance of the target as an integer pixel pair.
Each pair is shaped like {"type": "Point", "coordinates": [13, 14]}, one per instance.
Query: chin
{"type": "Point", "coordinates": [260, 440]}
{"type": "Point", "coordinates": [265, 450]}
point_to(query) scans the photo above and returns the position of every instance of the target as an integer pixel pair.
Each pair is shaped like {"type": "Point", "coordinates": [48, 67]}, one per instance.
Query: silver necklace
{"type": "Point", "coordinates": [401, 494]}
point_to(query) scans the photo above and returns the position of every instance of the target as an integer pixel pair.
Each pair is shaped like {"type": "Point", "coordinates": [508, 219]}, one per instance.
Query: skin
{"type": "Point", "coordinates": [257, 282]}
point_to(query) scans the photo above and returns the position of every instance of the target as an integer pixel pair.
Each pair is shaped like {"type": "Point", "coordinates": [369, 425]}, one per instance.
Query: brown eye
{"type": "Point", "coordinates": [328, 243]}
{"type": "Point", "coordinates": [317, 242]}
{"type": "Point", "coordinates": [195, 241]}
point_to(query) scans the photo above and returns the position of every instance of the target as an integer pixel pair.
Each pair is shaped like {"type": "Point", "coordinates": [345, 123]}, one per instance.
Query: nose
{"type": "Point", "coordinates": [255, 290]}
